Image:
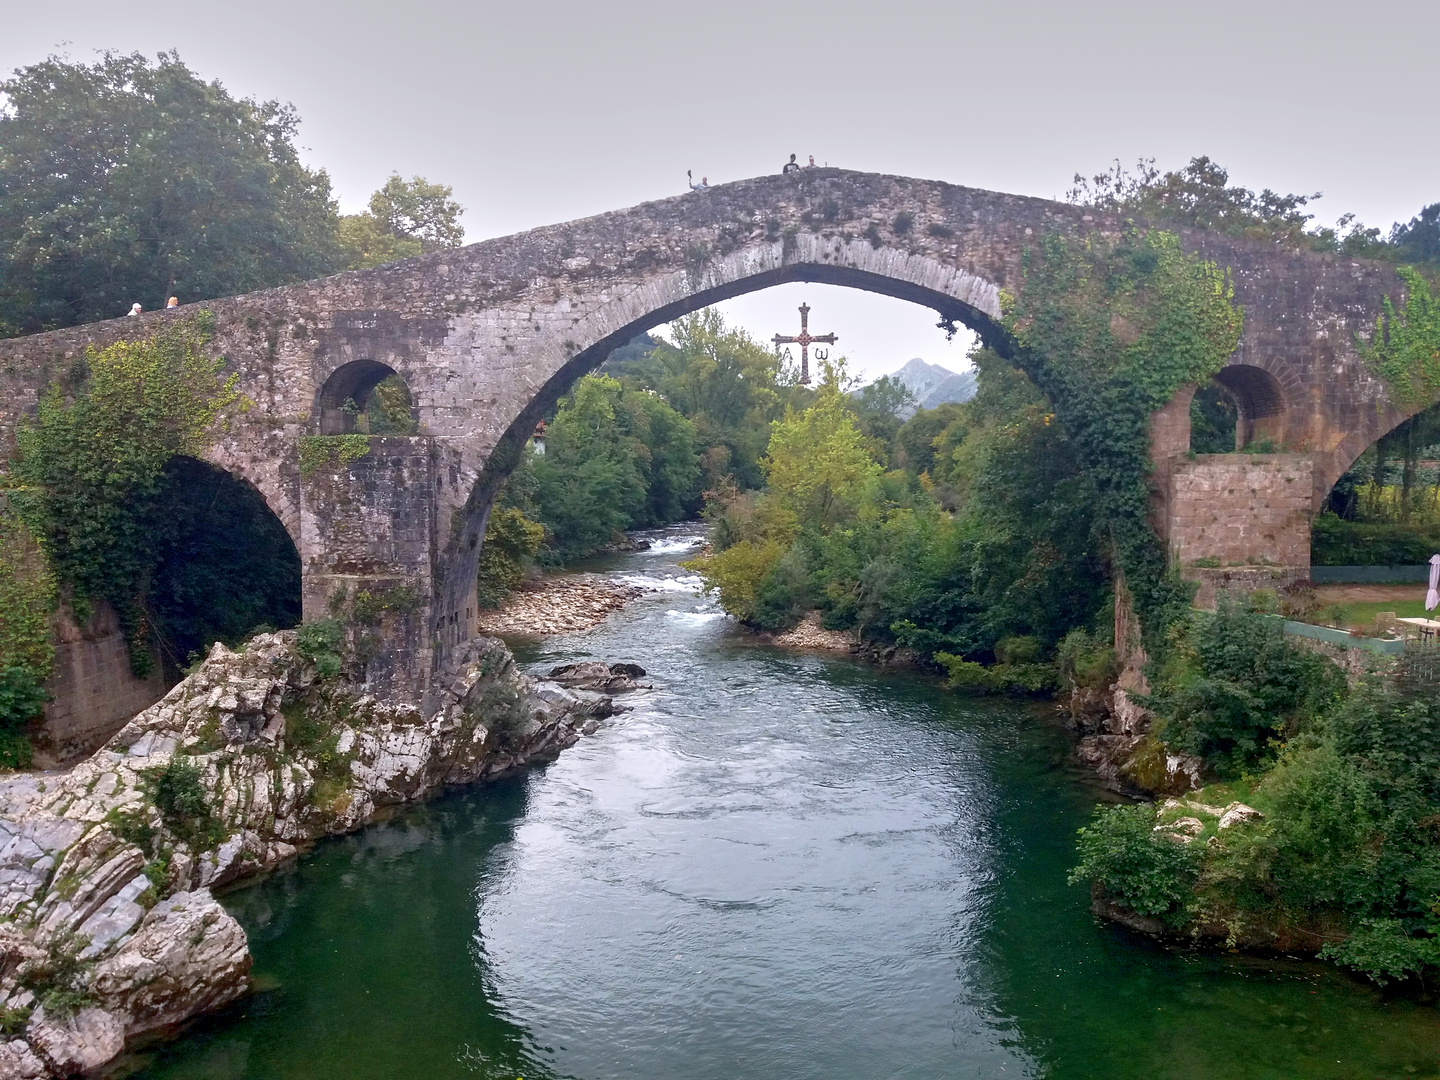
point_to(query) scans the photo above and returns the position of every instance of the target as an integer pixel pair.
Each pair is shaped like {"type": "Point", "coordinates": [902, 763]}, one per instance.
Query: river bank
{"type": "Point", "coordinates": [111, 930]}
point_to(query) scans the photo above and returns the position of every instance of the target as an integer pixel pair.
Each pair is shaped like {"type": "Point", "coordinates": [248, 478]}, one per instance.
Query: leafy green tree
{"type": "Point", "coordinates": [129, 180]}
{"type": "Point", "coordinates": [818, 464]}
{"type": "Point", "coordinates": [1199, 195]}
{"type": "Point", "coordinates": [511, 542]}
{"type": "Point", "coordinates": [615, 459]}
{"type": "Point", "coordinates": [1418, 240]}
{"type": "Point", "coordinates": [405, 218]}
{"type": "Point", "coordinates": [726, 384]}
{"type": "Point", "coordinates": [878, 407]}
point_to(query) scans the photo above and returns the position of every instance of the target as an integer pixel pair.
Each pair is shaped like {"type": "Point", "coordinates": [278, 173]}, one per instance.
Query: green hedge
{"type": "Point", "coordinates": [1334, 542]}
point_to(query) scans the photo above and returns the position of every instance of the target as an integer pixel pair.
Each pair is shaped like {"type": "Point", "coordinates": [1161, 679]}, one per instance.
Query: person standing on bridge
{"type": "Point", "coordinates": [812, 162]}
{"type": "Point", "coordinates": [134, 310]}
{"type": "Point", "coordinates": [172, 304]}
{"type": "Point", "coordinates": [703, 185]}
{"type": "Point", "coordinates": [791, 166]}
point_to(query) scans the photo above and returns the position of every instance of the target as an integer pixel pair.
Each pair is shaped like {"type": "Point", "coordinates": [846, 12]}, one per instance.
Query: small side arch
{"type": "Point", "coordinates": [365, 396]}
{"type": "Point", "coordinates": [1260, 403]}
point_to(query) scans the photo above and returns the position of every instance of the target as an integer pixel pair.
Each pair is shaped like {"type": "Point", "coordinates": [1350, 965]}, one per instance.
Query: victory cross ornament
{"type": "Point", "coordinates": [805, 340]}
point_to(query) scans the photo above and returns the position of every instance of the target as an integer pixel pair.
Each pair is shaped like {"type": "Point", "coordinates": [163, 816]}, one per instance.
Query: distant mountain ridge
{"type": "Point", "coordinates": [934, 385]}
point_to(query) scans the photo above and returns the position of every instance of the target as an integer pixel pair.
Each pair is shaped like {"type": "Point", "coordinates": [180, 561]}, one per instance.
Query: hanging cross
{"type": "Point", "coordinates": [805, 340]}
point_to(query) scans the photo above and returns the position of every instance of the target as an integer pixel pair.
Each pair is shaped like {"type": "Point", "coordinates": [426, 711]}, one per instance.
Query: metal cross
{"type": "Point", "coordinates": [805, 340]}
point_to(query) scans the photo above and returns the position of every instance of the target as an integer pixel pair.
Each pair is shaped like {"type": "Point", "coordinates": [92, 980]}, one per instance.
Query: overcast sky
{"type": "Point", "coordinates": [538, 112]}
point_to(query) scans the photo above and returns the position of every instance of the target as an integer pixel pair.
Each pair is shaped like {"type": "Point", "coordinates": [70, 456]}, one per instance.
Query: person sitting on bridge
{"type": "Point", "coordinates": [172, 303]}
{"type": "Point", "coordinates": [812, 162]}
{"type": "Point", "coordinates": [703, 185]}
{"type": "Point", "coordinates": [134, 310]}
{"type": "Point", "coordinates": [790, 166]}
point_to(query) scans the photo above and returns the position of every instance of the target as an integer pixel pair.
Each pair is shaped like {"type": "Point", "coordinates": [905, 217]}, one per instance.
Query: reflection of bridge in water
{"type": "Point", "coordinates": [488, 337]}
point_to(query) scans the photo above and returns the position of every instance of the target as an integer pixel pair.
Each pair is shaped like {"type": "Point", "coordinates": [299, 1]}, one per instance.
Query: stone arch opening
{"type": "Point", "coordinates": [1259, 402]}
{"type": "Point", "coordinates": [1214, 420]}
{"type": "Point", "coordinates": [366, 397]}
{"type": "Point", "coordinates": [952, 311]}
{"type": "Point", "coordinates": [978, 311]}
{"type": "Point", "coordinates": [227, 565]}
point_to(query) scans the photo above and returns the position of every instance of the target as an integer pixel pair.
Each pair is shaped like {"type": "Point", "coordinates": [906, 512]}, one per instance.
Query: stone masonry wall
{"type": "Point", "coordinates": [369, 526]}
{"type": "Point", "coordinates": [1229, 510]}
{"type": "Point", "coordinates": [92, 691]}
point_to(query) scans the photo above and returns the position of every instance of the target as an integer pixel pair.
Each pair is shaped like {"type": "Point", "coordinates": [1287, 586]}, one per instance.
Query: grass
{"type": "Point", "coordinates": [1361, 616]}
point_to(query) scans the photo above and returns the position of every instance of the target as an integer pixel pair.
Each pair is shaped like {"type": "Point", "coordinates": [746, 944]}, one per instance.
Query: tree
{"type": "Point", "coordinates": [726, 383]}
{"type": "Point", "coordinates": [406, 218]}
{"type": "Point", "coordinates": [127, 180]}
{"type": "Point", "coordinates": [818, 463]}
{"type": "Point", "coordinates": [878, 407]}
{"type": "Point", "coordinates": [1419, 239]}
{"type": "Point", "coordinates": [1199, 195]}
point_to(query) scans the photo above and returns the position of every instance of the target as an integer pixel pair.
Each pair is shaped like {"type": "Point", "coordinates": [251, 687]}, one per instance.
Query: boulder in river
{"type": "Point", "coordinates": [595, 675]}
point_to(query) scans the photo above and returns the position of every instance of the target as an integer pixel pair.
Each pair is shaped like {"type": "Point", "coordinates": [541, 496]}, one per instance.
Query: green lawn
{"type": "Point", "coordinates": [1357, 615]}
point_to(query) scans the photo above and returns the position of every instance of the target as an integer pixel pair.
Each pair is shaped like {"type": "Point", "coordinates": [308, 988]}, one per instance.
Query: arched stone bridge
{"type": "Point", "coordinates": [489, 336]}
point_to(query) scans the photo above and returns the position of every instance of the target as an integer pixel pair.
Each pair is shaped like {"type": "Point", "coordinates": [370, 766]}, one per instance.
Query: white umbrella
{"type": "Point", "coordinates": [1432, 598]}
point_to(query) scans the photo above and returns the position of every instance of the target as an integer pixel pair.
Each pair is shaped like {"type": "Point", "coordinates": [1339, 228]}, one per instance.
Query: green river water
{"type": "Point", "coordinates": [774, 866]}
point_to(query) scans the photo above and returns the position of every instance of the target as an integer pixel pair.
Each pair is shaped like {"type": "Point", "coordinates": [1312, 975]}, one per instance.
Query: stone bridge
{"type": "Point", "coordinates": [488, 336]}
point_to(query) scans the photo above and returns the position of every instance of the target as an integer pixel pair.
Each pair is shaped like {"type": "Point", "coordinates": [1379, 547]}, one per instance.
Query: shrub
{"type": "Point", "coordinates": [1336, 542]}
{"type": "Point", "coordinates": [179, 794]}
{"type": "Point", "coordinates": [511, 542]}
{"type": "Point", "coordinates": [1135, 867]}
{"type": "Point", "coordinates": [1085, 661]}
{"type": "Point", "coordinates": [321, 642]}
{"type": "Point", "coordinates": [1235, 689]}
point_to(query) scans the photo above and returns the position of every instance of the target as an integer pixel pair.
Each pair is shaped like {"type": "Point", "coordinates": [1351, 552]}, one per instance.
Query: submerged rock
{"type": "Point", "coordinates": [110, 927]}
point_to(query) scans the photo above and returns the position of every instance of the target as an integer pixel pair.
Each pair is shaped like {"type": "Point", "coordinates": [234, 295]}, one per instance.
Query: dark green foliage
{"type": "Point", "coordinates": [1233, 688]}
{"type": "Point", "coordinates": [511, 543]}
{"type": "Point", "coordinates": [1086, 660]}
{"type": "Point", "coordinates": [387, 409]}
{"type": "Point", "coordinates": [878, 407]}
{"type": "Point", "coordinates": [1348, 850]}
{"type": "Point", "coordinates": [22, 699]}
{"type": "Point", "coordinates": [615, 458]}
{"type": "Point", "coordinates": [225, 565]}
{"type": "Point", "coordinates": [1335, 542]}
{"type": "Point", "coordinates": [916, 440]}
{"type": "Point", "coordinates": [91, 466]}
{"type": "Point", "coordinates": [178, 792]}
{"type": "Point", "coordinates": [1212, 420]}
{"type": "Point", "coordinates": [1418, 241]}
{"type": "Point", "coordinates": [1108, 331]}
{"type": "Point", "coordinates": [129, 180]}
{"type": "Point", "coordinates": [322, 642]}
{"type": "Point", "coordinates": [1135, 867]}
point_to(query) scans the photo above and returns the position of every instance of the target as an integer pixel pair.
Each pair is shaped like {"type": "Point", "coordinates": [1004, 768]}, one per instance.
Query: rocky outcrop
{"type": "Point", "coordinates": [108, 925]}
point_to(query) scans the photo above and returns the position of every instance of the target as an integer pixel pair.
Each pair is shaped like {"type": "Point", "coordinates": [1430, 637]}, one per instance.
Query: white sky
{"type": "Point", "coordinates": [542, 112]}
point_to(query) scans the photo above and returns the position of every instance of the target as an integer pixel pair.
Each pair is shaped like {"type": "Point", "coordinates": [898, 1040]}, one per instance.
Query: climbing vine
{"type": "Point", "coordinates": [27, 654]}
{"type": "Point", "coordinates": [1110, 329]}
{"type": "Point", "coordinates": [90, 465]}
{"type": "Point", "coordinates": [1405, 347]}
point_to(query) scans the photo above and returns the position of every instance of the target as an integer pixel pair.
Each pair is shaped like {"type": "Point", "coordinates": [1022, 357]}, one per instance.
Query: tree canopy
{"type": "Point", "coordinates": [129, 180]}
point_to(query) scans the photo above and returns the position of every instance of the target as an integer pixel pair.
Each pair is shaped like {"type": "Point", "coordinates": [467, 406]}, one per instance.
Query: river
{"type": "Point", "coordinates": [773, 866]}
